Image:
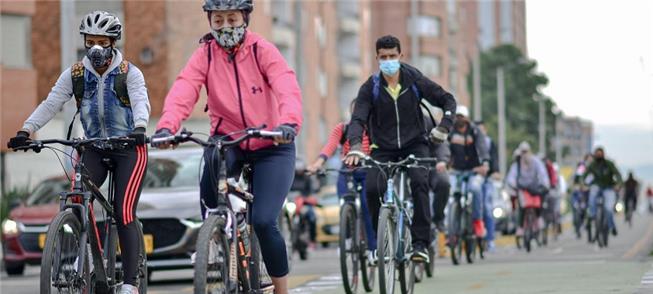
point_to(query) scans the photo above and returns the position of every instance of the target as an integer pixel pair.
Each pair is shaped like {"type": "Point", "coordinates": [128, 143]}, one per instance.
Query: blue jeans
{"type": "Point", "coordinates": [609, 200]}
{"type": "Point", "coordinates": [488, 218]}
{"type": "Point", "coordinates": [359, 178]}
{"type": "Point", "coordinates": [474, 185]}
{"type": "Point", "coordinates": [273, 170]}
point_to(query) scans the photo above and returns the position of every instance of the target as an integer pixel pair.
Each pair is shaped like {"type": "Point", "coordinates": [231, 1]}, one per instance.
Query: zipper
{"type": "Point", "coordinates": [398, 121]}
{"type": "Point", "coordinates": [100, 103]}
{"type": "Point", "coordinates": [240, 96]}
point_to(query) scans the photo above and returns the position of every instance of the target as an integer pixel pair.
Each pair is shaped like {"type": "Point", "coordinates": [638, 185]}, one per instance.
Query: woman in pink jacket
{"type": "Point", "coordinates": [248, 84]}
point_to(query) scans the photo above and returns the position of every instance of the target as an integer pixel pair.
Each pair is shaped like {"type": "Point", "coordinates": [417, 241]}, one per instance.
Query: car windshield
{"type": "Point", "coordinates": [46, 192]}
{"type": "Point", "coordinates": [172, 169]}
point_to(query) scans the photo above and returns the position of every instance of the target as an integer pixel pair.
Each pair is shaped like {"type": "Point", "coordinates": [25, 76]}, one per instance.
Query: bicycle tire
{"type": "Point", "coordinates": [407, 267]}
{"type": "Point", "coordinates": [387, 241]}
{"type": "Point", "coordinates": [348, 251]}
{"type": "Point", "coordinates": [68, 223]}
{"type": "Point", "coordinates": [429, 268]}
{"type": "Point", "coordinates": [528, 229]}
{"type": "Point", "coordinates": [211, 232]}
{"type": "Point", "coordinates": [142, 263]}
{"type": "Point", "coordinates": [453, 234]}
{"type": "Point", "coordinates": [368, 272]}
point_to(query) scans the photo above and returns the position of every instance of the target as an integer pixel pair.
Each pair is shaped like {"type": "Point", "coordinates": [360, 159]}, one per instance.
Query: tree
{"type": "Point", "coordinates": [522, 83]}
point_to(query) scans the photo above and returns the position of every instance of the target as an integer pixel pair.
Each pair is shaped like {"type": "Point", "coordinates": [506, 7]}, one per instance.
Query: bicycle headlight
{"type": "Point", "coordinates": [497, 212]}
{"type": "Point", "coordinates": [9, 227]}
{"type": "Point", "coordinates": [290, 208]}
{"type": "Point", "coordinates": [619, 207]}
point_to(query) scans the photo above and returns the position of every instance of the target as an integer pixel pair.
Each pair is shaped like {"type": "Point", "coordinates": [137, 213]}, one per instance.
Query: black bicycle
{"type": "Point", "coordinates": [228, 257]}
{"type": "Point", "coordinates": [460, 231]}
{"type": "Point", "coordinates": [352, 244]}
{"type": "Point", "coordinates": [80, 252]}
{"type": "Point", "coordinates": [601, 228]}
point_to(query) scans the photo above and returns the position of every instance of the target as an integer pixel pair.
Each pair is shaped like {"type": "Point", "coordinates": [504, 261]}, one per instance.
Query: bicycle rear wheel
{"type": "Point", "coordinates": [529, 232]}
{"type": "Point", "coordinates": [213, 269]}
{"type": "Point", "coordinates": [368, 271]}
{"type": "Point", "coordinates": [348, 251]}
{"type": "Point", "coordinates": [59, 264]}
{"type": "Point", "coordinates": [387, 247]}
{"type": "Point", "coordinates": [429, 268]}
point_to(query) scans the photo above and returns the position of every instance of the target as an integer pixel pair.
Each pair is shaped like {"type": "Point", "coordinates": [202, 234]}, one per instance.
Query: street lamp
{"type": "Point", "coordinates": [557, 113]}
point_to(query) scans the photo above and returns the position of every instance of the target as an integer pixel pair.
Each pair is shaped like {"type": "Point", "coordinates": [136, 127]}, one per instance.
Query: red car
{"type": "Point", "coordinates": [23, 233]}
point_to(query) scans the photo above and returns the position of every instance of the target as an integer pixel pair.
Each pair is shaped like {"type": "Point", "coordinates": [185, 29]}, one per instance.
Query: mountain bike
{"type": "Point", "coordinates": [228, 256]}
{"type": "Point", "coordinates": [75, 258]}
{"type": "Point", "coordinates": [460, 231]}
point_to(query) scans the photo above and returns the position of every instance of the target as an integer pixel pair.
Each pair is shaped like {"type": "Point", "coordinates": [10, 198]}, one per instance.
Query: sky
{"type": "Point", "coordinates": [598, 56]}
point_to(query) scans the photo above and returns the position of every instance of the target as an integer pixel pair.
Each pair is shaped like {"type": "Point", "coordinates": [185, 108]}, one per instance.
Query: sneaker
{"type": "Point", "coordinates": [372, 258]}
{"type": "Point", "coordinates": [420, 253]}
{"type": "Point", "coordinates": [128, 289]}
{"type": "Point", "coordinates": [614, 231]}
{"type": "Point", "coordinates": [479, 228]}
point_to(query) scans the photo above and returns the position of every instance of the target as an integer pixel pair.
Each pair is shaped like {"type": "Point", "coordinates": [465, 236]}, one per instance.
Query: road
{"type": "Point", "coordinates": [565, 266]}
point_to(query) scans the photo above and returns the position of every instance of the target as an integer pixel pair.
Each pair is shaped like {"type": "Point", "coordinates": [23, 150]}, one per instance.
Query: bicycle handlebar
{"type": "Point", "coordinates": [40, 144]}
{"type": "Point", "coordinates": [186, 136]}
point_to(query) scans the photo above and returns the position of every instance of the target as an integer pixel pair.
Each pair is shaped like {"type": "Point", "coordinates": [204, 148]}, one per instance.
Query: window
{"type": "Point", "coordinates": [282, 11]}
{"type": "Point", "coordinates": [320, 32]}
{"type": "Point", "coordinates": [16, 41]}
{"type": "Point", "coordinates": [322, 83]}
{"type": "Point", "coordinates": [431, 65]}
{"type": "Point", "coordinates": [425, 26]}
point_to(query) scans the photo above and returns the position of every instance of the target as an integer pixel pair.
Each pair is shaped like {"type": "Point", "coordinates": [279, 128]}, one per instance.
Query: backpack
{"type": "Point", "coordinates": [376, 89]}
{"type": "Point", "coordinates": [77, 71]}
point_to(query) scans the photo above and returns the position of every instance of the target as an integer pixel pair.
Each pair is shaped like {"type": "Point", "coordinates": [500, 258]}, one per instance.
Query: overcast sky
{"type": "Point", "coordinates": [598, 56]}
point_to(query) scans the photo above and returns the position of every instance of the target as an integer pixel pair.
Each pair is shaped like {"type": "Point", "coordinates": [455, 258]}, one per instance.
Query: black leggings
{"type": "Point", "coordinates": [129, 167]}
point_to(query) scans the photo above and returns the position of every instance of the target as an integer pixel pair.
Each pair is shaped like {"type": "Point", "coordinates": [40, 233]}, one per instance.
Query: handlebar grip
{"type": "Point", "coordinates": [168, 139]}
{"type": "Point", "coordinates": [270, 134]}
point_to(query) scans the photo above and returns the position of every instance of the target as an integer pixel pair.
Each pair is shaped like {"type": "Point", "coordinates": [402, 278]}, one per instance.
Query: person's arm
{"type": "Point", "coordinates": [616, 173]}
{"type": "Point", "coordinates": [185, 91]}
{"type": "Point", "coordinates": [359, 118]}
{"type": "Point", "coordinates": [511, 178]}
{"type": "Point", "coordinates": [437, 96]}
{"type": "Point", "coordinates": [284, 84]}
{"type": "Point", "coordinates": [542, 174]}
{"type": "Point", "coordinates": [494, 157]}
{"type": "Point", "coordinates": [333, 142]}
{"type": "Point", "coordinates": [58, 96]}
{"type": "Point", "coordinates": [481, 146]}
{"type": "Point", "coordinates": [138, 98]}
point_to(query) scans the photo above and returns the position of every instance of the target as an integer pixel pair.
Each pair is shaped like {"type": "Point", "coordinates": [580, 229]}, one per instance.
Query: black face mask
{"type": "Point", "coordinates": [99, 56]}
{"type": "Point", "coordinates": [459, 124]}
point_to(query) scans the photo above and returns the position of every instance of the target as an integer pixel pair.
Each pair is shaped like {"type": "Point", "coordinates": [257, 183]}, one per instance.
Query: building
{"type": "Point", "coordinates": [502, 22]}
{"type": "Point", "coordinates": [576, 138]}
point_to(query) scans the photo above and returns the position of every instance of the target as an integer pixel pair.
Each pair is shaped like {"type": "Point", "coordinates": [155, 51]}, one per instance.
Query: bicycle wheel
{"type": "Point", "coordinates": [469, 238]}
{"type": "Point", "coordinates": [529, 221]}
{"type": "Point", "coordinates": [387, 241]}
{"type": "Point", "coordinates": [285, 227]}
{"type": "Point", "coordinates": [59, 265]}
{"type": "Point", "coordinates": [213, 269]}
{"type": "Point", "coordinates": [368, 272]}
{"type": "Point", "coordinates": [407, 268]}
{"type": "Point", "coordinates": [142, 263]}
{"type": "Point", "coordinates": [429, 268]}
{"type": "Point", "coordinates": [453, 233]}
{"type": "Point", "coordinates": [348, 251]}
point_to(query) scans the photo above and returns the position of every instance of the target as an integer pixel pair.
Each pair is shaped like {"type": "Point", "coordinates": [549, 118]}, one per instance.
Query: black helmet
{"type": "Point", "coordinates": [221, 5]}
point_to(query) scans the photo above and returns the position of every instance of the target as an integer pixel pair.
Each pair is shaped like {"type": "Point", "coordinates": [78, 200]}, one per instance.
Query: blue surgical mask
{"type": "Point", "coordinates": [389, 67]}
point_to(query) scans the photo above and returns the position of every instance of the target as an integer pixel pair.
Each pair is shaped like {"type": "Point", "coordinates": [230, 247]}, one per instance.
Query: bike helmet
{"type": "Point", "coordinates": [101, 23]}
{"type": "Point", "coordinates": [221, 5]}
{"type": "Point", "coordinates": [462, 110]}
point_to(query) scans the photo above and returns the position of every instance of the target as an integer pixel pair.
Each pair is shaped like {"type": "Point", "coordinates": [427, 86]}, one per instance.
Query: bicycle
{"type": "Point", "coordinates": [579, 210]}
{"type": "Point", "coordinates": [228, 257]}
{"type": "Point", "coordinates": [352, 243]}
{"type": "Point", "coordinates": [551, 220]}
{"type": "Point", "coordinates": [630, 207]}
{"type": "Point", "coordinates": [601, 222]}
{"type": "Point", "coordinates": [75, 257]}
{"type": "Point", "coordinates": [460, 231]}
{"type": "Point", "coordinates": [529, 204]}
{"type": "Point", "coordinates": [395, 217]}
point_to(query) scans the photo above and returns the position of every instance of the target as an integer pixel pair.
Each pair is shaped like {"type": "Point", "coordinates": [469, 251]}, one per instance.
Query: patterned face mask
{"type": "Point", "coordinates": [229, 37]}
{"type": "Point", "coordinates": [99, 56]}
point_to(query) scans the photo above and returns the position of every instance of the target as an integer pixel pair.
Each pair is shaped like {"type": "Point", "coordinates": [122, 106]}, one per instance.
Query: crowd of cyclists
{"type": "Point", "coordinates": [249, 84]}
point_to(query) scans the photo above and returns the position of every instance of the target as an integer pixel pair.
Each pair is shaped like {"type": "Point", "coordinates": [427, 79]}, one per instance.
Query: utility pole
{"type": "Point", "coordinates": [478, 115]}
{"type": "Point", "coordinates": [541, 124]}
{"type": "Point", "coordinates": [414, 37]}
{"type": "Point", "coordinates": [502, 120]}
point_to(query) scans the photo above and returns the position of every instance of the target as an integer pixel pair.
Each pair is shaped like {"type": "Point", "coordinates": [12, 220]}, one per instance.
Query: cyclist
{"type": "Point", "coordinates": [338, 137]}
{"type": "Point", "coordinates": [631, 191]}
{"type": "Point", "coordinates": [527, 173]}
{"type": "Point", "coordinates": [438, 177]}
{"type": "Point", "coordinates": [248, 84]}
{"type": "Point", "coordinates": [388, 106]}
{"type": "Point", "coordinates": [469, 152]}
{"type": "Point", "coordinates": [488, 186]}
{"type": "Point", "coordinates": [112, 101]}
{"type": "Point", "coordinates": [604, 178]}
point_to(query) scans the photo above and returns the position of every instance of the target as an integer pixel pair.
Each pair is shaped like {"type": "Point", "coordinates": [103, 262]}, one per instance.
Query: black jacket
{"type": "Point", "coordinates": [469, 149]}
{"type": "Point", "coordinates": [396, 124]}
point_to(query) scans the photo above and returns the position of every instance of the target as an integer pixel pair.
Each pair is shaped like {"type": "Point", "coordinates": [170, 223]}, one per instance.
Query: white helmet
{"type": "Point", "coordinates": [462, 110]}
{"type": "Point", "coordinates": [101, 23]}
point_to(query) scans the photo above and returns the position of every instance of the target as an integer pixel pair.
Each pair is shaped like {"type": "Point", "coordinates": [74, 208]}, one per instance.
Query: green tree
{"type": "Point", "coordinates": [522, 82]}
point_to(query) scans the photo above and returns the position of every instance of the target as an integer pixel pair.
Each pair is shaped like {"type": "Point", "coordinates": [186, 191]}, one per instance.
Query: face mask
{"type": "Point", "coordinates": [460, 123]}
{"type": "Point", "coordinates": [389, 67]}
{"type": "Point", "coordinates": [99, 56]}
{"type": "Point", "coordinates": [228, 37]}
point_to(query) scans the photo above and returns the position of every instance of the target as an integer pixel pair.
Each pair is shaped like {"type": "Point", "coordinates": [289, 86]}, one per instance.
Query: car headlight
{"type": "Point", "coordinates": [9, 227]}
{"type": "Point", "coordinates": [497, 212]}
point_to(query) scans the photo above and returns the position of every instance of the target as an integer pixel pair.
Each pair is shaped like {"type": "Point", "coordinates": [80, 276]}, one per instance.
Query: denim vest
{"type": "Point", "coordinates": [101, 112]}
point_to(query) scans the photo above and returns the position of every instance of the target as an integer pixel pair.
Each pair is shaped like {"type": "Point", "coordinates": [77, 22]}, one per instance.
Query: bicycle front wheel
{"type": "Point", "coordinates": [407, 268]}
{"type": "Point", "coordinates": [213, 268]}
{"type": "Point", "coordinates": [368, 271]}
{"type": "Point", "coordinates": [59, 266]}
{"type": "Point", "coordinates": [387, 247]}
{"type": "Point", "coordinates": [348, 250]}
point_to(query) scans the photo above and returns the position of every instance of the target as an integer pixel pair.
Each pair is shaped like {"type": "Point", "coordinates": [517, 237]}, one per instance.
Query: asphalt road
{"type": "Point", "coordinates": [565, 266]}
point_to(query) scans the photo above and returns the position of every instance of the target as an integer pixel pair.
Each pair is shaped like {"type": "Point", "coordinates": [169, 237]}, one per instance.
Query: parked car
{"type": "Point", "coordinates": [502, 210]}
{"type": "Point", "coordinates": [168, 209]}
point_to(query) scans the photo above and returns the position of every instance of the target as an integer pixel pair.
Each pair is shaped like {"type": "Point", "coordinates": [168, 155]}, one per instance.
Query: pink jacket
{"type": "Point", "coordinates": [238, 97]}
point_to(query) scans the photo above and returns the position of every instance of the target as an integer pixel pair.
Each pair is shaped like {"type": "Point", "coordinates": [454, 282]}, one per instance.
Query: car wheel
{"type": "Point", "coordinates": [15, 269]}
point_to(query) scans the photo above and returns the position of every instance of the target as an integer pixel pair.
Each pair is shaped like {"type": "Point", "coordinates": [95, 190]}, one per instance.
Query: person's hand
{"type": "Point", "coordinates": [313, 168]}
{"type": "Point", "coordinates": [438, 135]}
{"type": "Point", "coordinates": [354, 156]}
{"type": "Point", "coordinates": [162, 133]}
{"type": "Point", "coordinates": [482, 169]}
{"type": "Point", "coordinates": [20, 140]}
{"type": "Point", "coordinates": [441, 167]}
{"type": "Point", "coordinates": [288, 134]}
{"type": "Point", "coordinates": [138, 134]}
